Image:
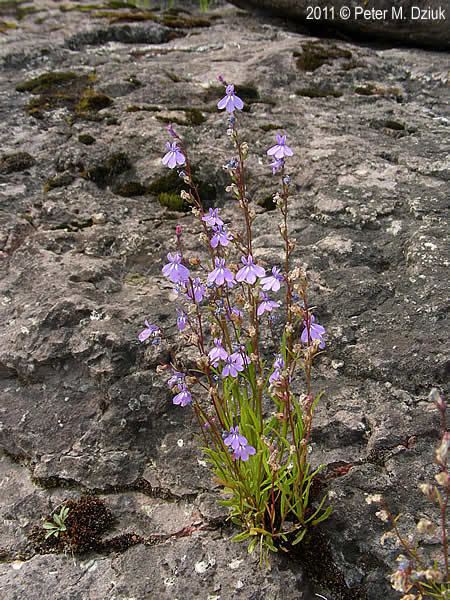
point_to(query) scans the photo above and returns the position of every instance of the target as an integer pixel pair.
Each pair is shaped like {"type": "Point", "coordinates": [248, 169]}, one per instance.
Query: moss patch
{"type": "Point", "coordinates": [88, 519]}
{"type": "Point", "coordinates": [129, 12]}
{"type": "Point", "coordinates": [167, 188]}
{"type": "Point", "coordinates": [92, 101]}
{"type": "Point", "coordinates": [58, 181]}
{"type": "Point", "coordinates": [17, 8]}
{"type": "Point", "coordinates": [315, 54]}
{"type": "Point", "coordinates": [143, 107]}
{"type": "Point", "coordinates": [46, 82]}
{"type": "Point", "coordinates": [268, 203]}
{"type": "Point", "coordinates": [135, 279]}
{"type": "Point", "coordinates": [6, 25]}
{"type": "Point", "coordinates": [318, 91]}
{"type": "Point", "coordinates": [108, 169]}
{"type": "Point", "coordinates": [193, 117]}
{"type": "Point", "coordinates": [271, 127]}
{"type": "Point", "coordinates": [248, 92]}
{"type": "Point", "coordinates": [173, 202]}
{"type": "Point", "coordinates": [130, 189]}
{"type": "Point", "coordinates": [18, 161]}
{"type": "Point", "coordinates": [86, 139]}
{"type": "Point", "coordinates": [372, 89]}
{"type": "Point", "coordinates": [63, 89]}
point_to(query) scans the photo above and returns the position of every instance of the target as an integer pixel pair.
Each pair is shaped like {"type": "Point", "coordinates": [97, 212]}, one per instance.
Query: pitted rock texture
{"type": "Point", "coordinates": [83, 409]}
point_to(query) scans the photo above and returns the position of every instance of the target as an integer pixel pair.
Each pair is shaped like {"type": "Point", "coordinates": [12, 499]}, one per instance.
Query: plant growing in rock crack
{"type": "Point", "coordinates": [255, 430]}
{"type": "Point", "coordinates": [58, 523]}
{"type": "Point", "coordinates": [418, 576]}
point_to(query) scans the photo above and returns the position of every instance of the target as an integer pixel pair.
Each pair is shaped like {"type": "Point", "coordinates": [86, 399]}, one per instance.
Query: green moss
{"type": "Point", "coordinates": [86, 139]}
{"type": "Point", "coordinates": [47, 82]}
{"type": "Point", "coordinates": [248, 92]}
{"type": "Point", "coordinates": [58, 181]}
{"type": "Point", "coordinates": [270, 127]}
{"type": "Point", "coordinates": [173, 202]}
{"type": "Point", "coordinates": [183, 22]}
{"type": "Point", "coordinates": [268, 203]}
{"type": "Point", "coordinates": [135, 279]}
{"type": "Point", "coordinates": [113, 165]}
{"type": "Point", "coordinates": [173, 76]}
{"type": "Point", "coordinates": [193, 117]}
{"type": "Point", "coordinates": [170, 183]}
{"type": "Point", "coordinates": [18, 161]}
{"type": "Point", "coordinates": [394, 125]}
{"type": "Point", "coordinates": [366, 90]}
{"type": "Point", "coordinates": [64, 89]}
{"type": "Point", "coordinates": [143, 107]}
{"type": "Point", "coordinates": [315, 54]}
{"type": "Point", "coordinates": [318, 92]}
{"type": "Point", "coordinates": [125, 16]}
{"type": "Point", "coordinates": [371, 89]}
{"type": "Point", "coordinates": [5, 25]}
{"type": "Point", "coordinates": [130, 189]}
{"type": "Point", "coordinates": [92, 101]}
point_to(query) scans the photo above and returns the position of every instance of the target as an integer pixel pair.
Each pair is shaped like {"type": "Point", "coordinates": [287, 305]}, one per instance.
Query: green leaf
{"type": "Point", "coordinates": [48, 525]}
{"type": "Point", "coordinates": [240, 536]}
{"type": "Point", "coordinates": [299, 537]}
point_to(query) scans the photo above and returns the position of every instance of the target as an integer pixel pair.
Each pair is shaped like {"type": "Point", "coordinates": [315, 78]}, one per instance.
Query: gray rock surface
{"type": "Point", "coordinates": [83, 410]}
{"type": "Point", "coordinates": [404, 21]}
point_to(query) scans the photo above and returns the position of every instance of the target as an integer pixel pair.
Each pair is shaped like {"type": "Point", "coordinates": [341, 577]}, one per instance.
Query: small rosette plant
{"type": "Point", "coordinates": [251, 332]}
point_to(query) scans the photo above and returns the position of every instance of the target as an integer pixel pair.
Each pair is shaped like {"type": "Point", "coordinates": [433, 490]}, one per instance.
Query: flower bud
{"type": "Point", "coordinates": [443, 478]}
{"type": "Point", "coordinates": [425, 526]}
{"type": "Point", "coordinates": [428, 490]}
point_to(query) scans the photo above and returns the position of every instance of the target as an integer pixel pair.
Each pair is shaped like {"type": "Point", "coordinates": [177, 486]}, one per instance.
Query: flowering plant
{"type": "Point", "coordinates": [255, 430]}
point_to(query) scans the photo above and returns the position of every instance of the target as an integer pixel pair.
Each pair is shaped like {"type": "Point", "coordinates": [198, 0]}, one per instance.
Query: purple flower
{"type": "Point", "coordinates": [230, 101]}
{"type": "Point", "coordinates": [184, 397]}
{"type": "Point", "coordinates": [266, 305]}
{"type": "Point", "coordinates": [243, 451]}
{"type": "Point", "coordinates": [316, 332]}
{"type": "Point", "coordinates": [277, 165]}
{"type": "Point", "coordinates": [278, 366]}
{"type": "Point", "coordinates": [234, 439]}
{"type": "Point", "coordinates": [221, 236]}
{"type": "Point", "coordinates": [173, 156]}
{"type": "Point", "coordinates": [212, 218]}
{"type": "Point", "coordinates": [220, 274]}
{"type": "Point", "coordinates": [174, 270]}
{"type": "Point", "coordinates": [218, 353]}
{"type": "Point", "coordinates": [234, 363]}
{"type": "Point", "coordinates": [149, 331]}
{"type": "Point", "coordinates": [250, 271]}
{"type": "Point", "coordinates": [182, 320]}
{"type": "Point", "coordinates": [198, 290]}
{"type": "Point", "coordinates": [177, 378]}
{"type": "Point", "coordinates": [280, 150]}
{"type": "Point", "coordinates": [272, 282]}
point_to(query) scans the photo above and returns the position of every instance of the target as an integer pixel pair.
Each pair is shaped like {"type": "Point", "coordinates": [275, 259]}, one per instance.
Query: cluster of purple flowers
{"type": "Point", "coordinates": [278, 366]}
{"type": "Point", "coordinates": [238, 444]}
{"type": "Point", "coordinates": [235, 362]}
{"type": "Point", "coordinates": [178, 381]}
{"type": "Point", "coordinates": [316, 332]}
{"type": "Point", "coordinates": [232, 361]}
